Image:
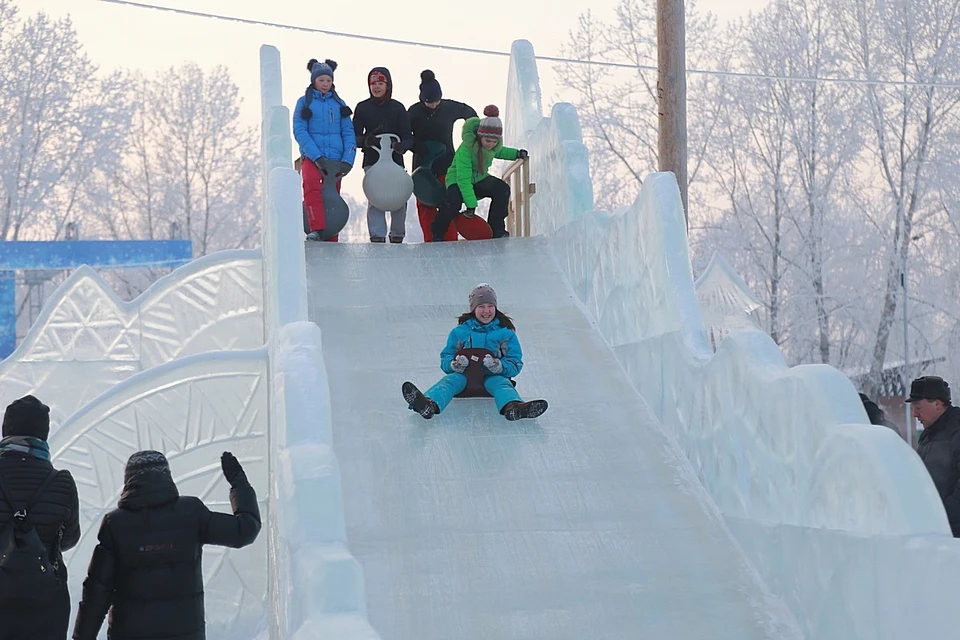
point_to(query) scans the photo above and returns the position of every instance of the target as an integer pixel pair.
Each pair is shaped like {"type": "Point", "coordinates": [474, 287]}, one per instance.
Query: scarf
{"type": "Point", "coordinates": [26, 444]}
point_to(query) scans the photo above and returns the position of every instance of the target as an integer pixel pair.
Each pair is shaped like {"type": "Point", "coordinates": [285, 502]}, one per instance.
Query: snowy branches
{"type": "Point", "coordinates": [818, 192]}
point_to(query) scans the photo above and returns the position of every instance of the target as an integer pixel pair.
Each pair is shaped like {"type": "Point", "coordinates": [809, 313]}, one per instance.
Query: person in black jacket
{"type": "Point", "coordinates": [432, 120]}
{"type": "Point", "coordinates": [876, 414]}
{"type": "Point", "coordinates": [380, 113]}
{"type": "Point", "coordinates": [24, 466]}
{"type": "Point", "coordinates": [146, 568]}
{"type": "Point", "coordinates": [939, 444]}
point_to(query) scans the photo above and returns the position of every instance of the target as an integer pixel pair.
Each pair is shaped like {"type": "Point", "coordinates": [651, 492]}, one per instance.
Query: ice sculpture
{"type": "Point", "coordinates": [87, 339]}
{"type": "Point", "coordinates": [839, 516]}
{"type": "Point", "coordinates": [726, 302]}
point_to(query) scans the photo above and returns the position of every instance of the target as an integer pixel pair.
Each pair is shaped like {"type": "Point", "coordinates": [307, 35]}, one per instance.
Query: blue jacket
{"type": "Point", "coordinates": [329, 133]}
{"type": "Point", "coordinates": [500, 340]}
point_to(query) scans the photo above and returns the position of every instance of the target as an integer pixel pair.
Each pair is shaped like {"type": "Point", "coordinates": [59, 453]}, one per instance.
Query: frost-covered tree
{"type": "Point", "coordinates": [190, 163]}
{"type": "Point", "coordinates": [618, 106]}
{"type": "Point", "coordinates": [61, 125]}
{"type": "Point", "coordinates": [916, 42]}
{"type": "Point", "coordinates": [191, 170]}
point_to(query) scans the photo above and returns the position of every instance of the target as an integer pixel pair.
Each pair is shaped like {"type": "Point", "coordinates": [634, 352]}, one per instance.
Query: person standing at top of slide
{"type": "Point", "coordinates": [432, 120]}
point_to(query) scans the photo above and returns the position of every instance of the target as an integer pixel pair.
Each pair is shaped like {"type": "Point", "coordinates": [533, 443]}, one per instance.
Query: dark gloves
{"type": "Point", "coordinates": [371, 141]}
{"type": "Point", "coordinates": [522, 154]}
{"type": "Point", "coordinates": [232, 470]}
{"type": "Point", "coordinates": [469, 212]}
{"type": "Point", "coordinates": [398, 147]}
{"type": "Point", "coordinates": [345, 168]}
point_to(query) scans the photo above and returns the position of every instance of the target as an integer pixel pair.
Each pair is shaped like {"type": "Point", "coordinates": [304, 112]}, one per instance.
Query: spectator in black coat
{"type": "Point", "coordinates": [24, 466]}
{"type": "Point", "coordinates": [939, 444]}
{"type": "Point", "coordinates": [877, 415]}
{"type": "Point", "coordinates": [432, 120]}
{"type": "Point", "coordinates": [146, 568]}
{"type": "Point", "coordinates": [380, 113]}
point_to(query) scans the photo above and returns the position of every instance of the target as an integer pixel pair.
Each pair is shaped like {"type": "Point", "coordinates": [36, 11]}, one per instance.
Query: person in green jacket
{"type": "Point", "coordinates": [468, 180]}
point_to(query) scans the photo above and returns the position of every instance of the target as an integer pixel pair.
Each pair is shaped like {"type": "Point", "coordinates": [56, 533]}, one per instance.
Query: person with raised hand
{"type": "Point", "coordinates": [146, 567]}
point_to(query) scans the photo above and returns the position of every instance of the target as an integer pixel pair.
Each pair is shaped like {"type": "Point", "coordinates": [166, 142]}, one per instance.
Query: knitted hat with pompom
{"type": "Point", "coordinates": [491, 126]}
{"type": "Point", "coordinates": [317, 69]}
{"type": "Point", "coordinates": [429, 87]}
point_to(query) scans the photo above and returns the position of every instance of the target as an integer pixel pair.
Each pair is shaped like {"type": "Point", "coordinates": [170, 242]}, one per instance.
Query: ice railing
{"type": "Point", "coordinates": [316, 585]}
{"type": "Point", "coordinates": [840, 517]}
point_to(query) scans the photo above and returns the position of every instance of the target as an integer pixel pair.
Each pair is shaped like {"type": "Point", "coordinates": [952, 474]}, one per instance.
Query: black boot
{"type": "Point", "coordinates": [517, 410]}
{"type": "Point", "coordinates": [418, 402]}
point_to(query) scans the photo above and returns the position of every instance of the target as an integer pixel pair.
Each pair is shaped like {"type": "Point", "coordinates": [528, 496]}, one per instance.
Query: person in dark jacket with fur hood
{"type": "Point", "coordinates": [146, 568]}
{"type": "Point", "coordinates": [432, 120]}
{"type": "Point", "coordinates": [380, 113]}
{"type": "Point", "coordinates": [55, 516]}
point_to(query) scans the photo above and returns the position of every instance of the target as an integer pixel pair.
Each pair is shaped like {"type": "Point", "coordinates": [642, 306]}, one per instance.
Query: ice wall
{"type": "Point", "coordinates": [87, 339]}
{"type": "Point", "coordinates": [840, 517]}
{"type": "Point", "coordinates": [317, 588]}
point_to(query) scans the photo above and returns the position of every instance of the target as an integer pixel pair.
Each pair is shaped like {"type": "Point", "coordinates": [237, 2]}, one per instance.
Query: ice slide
{"type": "Point", "coordinates": [585, 523]}
{"type": "Point", "coordinates": [680, 454]}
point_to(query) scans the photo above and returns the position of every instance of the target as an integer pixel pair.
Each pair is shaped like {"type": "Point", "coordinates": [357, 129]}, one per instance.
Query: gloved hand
{"type": "Point", "coordinates": [232, 470]}
{"type": "Point", "coordinates": [371, 141]}
{"type": "Point", "coordinates": [397, 146]}
{"type": "Point", "coordinates": [469, 212]}
{"type": "Point", "coordinates": [460, 364]}
{"type": "Point", "coordinates": [522, 154]}
{"type": "Point", "coordinates": [345, 168]}
{"type": "Point", "coordinates": [493, 364]}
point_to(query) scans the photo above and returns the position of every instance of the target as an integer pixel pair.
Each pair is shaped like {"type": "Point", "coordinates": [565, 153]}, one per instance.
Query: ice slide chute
{"type": "Point", "coordinates": [585, 523]}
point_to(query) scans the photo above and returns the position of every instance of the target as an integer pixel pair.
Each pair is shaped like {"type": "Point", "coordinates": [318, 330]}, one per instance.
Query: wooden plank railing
{"type": "Point", "coordinates": [517, 175]}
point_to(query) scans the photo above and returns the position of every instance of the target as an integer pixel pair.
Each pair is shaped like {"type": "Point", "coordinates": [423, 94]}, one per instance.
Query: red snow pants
{"type": "Point", "coordinates": [427, 214]}
{"type": "Point", "coordinates": [313, 196]}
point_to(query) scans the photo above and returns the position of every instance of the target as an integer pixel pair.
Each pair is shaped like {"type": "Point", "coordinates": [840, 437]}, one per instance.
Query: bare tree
{"type": "Point", "coordinates": [918, 43]}
{"type": "Point", "coordinates": [60, 124]}
{"type": "Point", "coordinates": [618, 106]}
{"type": "Point", "coordinates": [191, 170]}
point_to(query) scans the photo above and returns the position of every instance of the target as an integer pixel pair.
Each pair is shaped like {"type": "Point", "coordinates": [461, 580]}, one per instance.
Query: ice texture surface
{"type": "Point", "coordinates": [87, 339]}
{"type": "Point", "coordinates": [587, 522]}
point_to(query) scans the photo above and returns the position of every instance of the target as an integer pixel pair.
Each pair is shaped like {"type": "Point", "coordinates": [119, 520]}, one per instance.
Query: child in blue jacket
{"type": "Point", "coordinates": [323, 129]}
{"type": "Point", "coordinates": [483, 327]}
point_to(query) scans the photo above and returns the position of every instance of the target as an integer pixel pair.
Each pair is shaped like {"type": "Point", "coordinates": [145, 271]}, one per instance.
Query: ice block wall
{"type": "Point", "coordinates": [839, 516]}
{"type": "Point", "coordinates": [317, 587]}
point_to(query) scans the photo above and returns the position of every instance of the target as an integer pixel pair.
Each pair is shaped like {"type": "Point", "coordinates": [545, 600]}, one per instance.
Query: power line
{"type": "Point", "coordinates": [559, 59]}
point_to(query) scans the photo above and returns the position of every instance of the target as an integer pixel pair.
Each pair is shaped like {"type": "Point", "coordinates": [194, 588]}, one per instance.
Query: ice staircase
{"type": "Point", "coordinates": [685, 483]}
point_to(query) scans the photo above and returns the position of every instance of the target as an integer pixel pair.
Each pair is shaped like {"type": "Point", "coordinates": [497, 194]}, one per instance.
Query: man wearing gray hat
{"type": "Point", "coordinates": [939, 444]}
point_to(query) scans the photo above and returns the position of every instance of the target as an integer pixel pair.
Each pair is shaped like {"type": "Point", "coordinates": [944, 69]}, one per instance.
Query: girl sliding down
{"type": "Point", "coordinates": [483, 327]}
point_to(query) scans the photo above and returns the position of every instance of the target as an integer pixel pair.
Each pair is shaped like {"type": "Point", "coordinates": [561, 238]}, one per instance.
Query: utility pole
{"type": "Point", "coordinates": [672, 93]}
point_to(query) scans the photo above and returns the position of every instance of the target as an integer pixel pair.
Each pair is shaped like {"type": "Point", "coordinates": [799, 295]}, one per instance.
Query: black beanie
{"type": "Point", "coordinates": [27, 417]}
{"type": "Point", "coordinates": [144, 462]}
{"type": "Point", "coordinates": [429, 87]}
